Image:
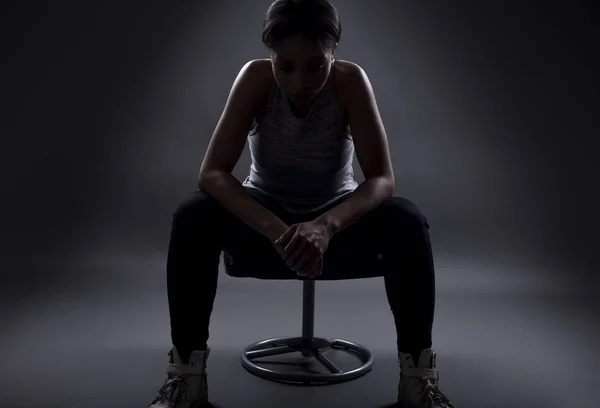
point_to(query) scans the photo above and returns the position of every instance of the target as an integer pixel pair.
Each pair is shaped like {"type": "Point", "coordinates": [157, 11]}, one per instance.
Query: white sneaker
{"type": "Point", "coordinates": [418, 387]}
{"type": "Point", "coordinates": [185, 386]}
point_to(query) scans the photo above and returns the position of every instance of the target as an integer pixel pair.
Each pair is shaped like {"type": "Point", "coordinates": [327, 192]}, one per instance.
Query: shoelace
{"type": "Point", "coordinates": [173, 387]}
{"type": "Point", "coordinates": [432, 394]}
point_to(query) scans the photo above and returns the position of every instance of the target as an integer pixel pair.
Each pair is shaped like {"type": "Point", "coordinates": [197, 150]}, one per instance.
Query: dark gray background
{"type": "Point", "coordinates": [491, 110]}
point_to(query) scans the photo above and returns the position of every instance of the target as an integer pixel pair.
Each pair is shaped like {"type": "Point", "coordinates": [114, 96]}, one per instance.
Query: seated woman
{"type": "Point", "coordinates": [300, 208]}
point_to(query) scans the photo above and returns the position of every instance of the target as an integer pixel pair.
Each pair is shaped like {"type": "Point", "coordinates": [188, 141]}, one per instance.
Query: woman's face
{"type": "Point", "coordinates": [301, 68]}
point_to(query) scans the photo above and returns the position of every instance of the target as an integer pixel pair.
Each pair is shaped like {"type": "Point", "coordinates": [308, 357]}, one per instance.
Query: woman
{"type": "Point", "coordinates": [300, 207]}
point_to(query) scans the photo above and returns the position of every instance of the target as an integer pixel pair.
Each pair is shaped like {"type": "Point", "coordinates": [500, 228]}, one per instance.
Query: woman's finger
{"type": "Point", "coordinates": [296, 254]}
{"type": "Point", "coordinates": [320, 267]}
{"type": "Point", "coordinates": [280, 250]}
{"type": "Point", "coordinates": [309, 258]}
{"type": "Point", "coordinates": [287, 235]}
{"type": "Point", "coordinates": [316, 269]}
{"type": "Point", "coordinates": [293, 243]}
{"type": "Point", "coordinates": [306, 270]}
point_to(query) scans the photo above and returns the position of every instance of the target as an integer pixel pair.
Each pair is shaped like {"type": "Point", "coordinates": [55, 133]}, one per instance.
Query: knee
{"type": "Point", "coordinates": [199, 206]}
{"type": "Point", "coordinates": [402, 213]}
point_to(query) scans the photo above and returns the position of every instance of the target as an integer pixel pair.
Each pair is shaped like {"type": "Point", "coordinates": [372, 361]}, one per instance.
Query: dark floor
{"type": "Point", "coordinates": [504, 340]}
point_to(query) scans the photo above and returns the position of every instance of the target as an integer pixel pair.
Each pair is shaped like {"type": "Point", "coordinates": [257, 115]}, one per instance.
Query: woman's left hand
{"type": "Point", "coordinates": [303, 245]}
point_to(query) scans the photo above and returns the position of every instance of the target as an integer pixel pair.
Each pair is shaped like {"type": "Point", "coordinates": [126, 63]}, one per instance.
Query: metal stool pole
{"type": "Point", "coordinates": [308, 315]}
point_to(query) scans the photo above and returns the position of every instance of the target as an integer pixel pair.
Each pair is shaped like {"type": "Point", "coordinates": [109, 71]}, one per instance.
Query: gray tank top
{"type": "Point", "coordinates": [303, 163]}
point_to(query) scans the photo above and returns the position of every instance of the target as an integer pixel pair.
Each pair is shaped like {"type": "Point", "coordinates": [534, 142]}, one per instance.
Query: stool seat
{"type": "Point", "coordinates": [354, 265]}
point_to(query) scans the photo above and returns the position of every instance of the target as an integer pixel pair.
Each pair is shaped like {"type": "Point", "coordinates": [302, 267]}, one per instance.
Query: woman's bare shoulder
{"type": "Point", "coordinates": [262, 75]}
{"type": "Point", "coordinates": [261, 70]}
{"type": "Point", "coordinates": [345, 71]}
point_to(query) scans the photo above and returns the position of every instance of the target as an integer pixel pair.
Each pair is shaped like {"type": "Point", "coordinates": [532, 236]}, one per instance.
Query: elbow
{"type": "Point", "coordinates": [382, 186]}
{"type": "Point", "coordinates": [387, 183]}
{"type": "Point", "coordinates": [388, 190]}
{"type": "Point", "coordinates": [200, 181]}
{"type": "Point", "coordinates": [203, 179]}
{"type": "Point", "coordinates": [206, 179]}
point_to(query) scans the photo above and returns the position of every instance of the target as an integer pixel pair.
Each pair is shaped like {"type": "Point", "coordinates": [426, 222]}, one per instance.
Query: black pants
{"type": "Point", "coordinates": [202, 229]}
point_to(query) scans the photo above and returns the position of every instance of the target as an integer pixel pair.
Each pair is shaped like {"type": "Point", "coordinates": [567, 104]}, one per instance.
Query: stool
{"type": "Point", "coordinates": [308, 346]}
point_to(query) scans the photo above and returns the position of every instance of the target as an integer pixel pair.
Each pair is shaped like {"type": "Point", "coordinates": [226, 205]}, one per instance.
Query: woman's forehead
{"type": "Point", "coordinates": [298, 50]}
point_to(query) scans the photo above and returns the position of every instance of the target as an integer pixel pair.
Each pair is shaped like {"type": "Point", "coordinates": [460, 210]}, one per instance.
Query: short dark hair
{"type": "Point", "coordinates": [316, 20]}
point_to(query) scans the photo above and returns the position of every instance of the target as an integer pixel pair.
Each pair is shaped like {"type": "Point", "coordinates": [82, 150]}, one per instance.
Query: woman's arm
{"type": "Point", "coordinates": [225, 148]}
{"type": "Point", "coordinates": [372, 151]}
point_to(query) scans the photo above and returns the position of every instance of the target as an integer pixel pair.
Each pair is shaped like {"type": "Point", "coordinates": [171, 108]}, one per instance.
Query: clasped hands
{"type": "Point", "coordinates": [302, 247]}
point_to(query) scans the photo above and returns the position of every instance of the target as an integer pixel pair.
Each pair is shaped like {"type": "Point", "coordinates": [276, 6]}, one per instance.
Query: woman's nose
{"type": "Point", "coordinates": [300, 83]}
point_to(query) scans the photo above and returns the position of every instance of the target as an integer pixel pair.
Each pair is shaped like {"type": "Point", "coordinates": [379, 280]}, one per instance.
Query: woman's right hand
{"type": "Point", "coordinates": [273, 235]}
{"type": "Point", "coordinates": [317, 270]}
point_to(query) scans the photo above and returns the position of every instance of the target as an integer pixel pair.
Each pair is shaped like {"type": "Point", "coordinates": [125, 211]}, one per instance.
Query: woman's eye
{"type": "Point", "coordinates": [311, 69]}
{"type": "Point", "coordinates": [316, 68]}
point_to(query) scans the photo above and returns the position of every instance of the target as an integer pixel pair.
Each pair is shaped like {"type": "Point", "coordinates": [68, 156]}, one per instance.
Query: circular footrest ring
{"type": "Point", "coordinates": [286, 345]}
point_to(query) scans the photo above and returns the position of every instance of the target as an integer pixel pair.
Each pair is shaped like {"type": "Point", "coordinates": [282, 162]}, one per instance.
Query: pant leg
{"type": "Point", "coordinates": [400, 232]}
{"type": "Point", "coordinates": [409, 274]}
{"type": "Point", "coordinates": [201, 229]}
{"type": "Point", "coordinates": [192, 270]}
